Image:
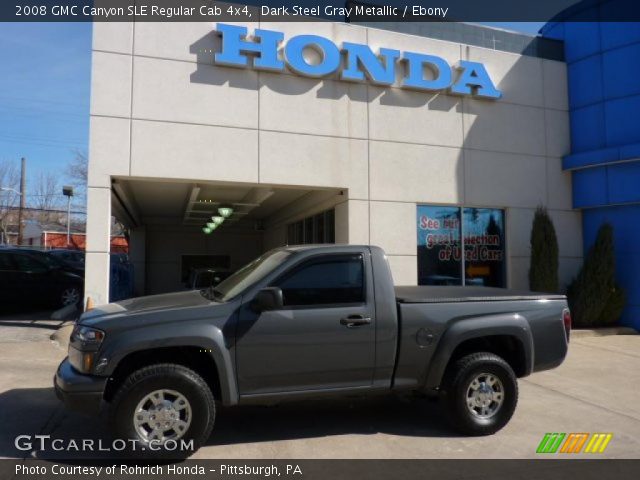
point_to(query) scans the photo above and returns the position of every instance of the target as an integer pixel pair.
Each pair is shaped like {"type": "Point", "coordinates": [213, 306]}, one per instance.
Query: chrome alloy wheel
{"type": "Point", "coordinates": [162, 415]}
{"type": "Point", "coordinates": [485, 395]}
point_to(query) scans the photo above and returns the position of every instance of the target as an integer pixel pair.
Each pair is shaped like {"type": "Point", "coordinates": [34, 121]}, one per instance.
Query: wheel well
{"type": "Point", "coordinates": [505, 346]}
{"type": "Point", "coordinates": [191, 357]}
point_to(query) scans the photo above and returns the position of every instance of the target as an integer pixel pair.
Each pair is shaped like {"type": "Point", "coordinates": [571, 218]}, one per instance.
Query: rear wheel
{"type": "Point", "coordinates": [480, 392]}
{"type": "Point", "coordinates": [163, 408]}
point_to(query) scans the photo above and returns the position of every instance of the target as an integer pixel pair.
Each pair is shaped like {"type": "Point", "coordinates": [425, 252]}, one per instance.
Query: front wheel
{"type": "Point", "coordinates": [480, 392]}
{"type": "Point", "coordinates": [166, 409]}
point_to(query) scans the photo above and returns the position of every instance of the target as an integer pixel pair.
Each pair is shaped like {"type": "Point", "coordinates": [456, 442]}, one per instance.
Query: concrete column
{"type": "Point", "coordinates": [138, 256]}
{"type": "Point", "coordinates": [97, 264]}
{"type": "Point", "coordinates": [352, 222]}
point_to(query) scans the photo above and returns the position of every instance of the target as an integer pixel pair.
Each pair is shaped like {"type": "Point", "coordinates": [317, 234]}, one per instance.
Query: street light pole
{"type": "Point", "coordinates": [67, 191]}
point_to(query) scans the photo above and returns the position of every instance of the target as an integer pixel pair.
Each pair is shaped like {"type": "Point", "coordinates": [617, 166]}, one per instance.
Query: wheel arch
{"type": "Point", "coordinates": [199, 359]}
{"type": "Point", "coordinates": [507, 336]}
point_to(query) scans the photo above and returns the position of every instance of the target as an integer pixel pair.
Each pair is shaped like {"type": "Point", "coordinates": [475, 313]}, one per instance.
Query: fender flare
{"type": "Point", "coordinates": [205, 336]}
{"type": "Point", "coordinates": [512, 325]}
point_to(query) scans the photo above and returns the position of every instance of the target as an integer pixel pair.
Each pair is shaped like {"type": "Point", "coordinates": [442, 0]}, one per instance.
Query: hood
{"type": "Point", "coordinates": [191, 298]}
{"type": "Point", "coordinates": [149, 303]}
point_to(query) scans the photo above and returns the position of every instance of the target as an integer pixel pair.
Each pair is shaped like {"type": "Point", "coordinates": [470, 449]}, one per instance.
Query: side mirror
{"type": "Point", "coordinates": [269, 298]}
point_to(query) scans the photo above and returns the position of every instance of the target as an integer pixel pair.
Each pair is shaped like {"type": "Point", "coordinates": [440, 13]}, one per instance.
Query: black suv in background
{"type": "Point", "coordinates": [72, 260]}
{"type": "Point", "coordinates": [29, 277]}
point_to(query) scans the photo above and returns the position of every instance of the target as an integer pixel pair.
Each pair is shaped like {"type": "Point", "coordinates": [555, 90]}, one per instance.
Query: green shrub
{"type": "Point", "coordinates": [543, 271]}
{"type": "Point", "coordinates": [613, 308]}
{"type": "Point", "coordinates": [594, 297]}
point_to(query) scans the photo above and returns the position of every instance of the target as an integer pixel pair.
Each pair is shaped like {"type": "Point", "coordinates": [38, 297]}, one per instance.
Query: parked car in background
{"type": "Point", "coordinates": [53, 261]}
{"type": "Point", "coordinates": [200, 278]}
{"type": "Point", "coordinates": [72, 258]}
{"type": "Point", "coordinates": [121, 277]}
{"type": "Point", "coordinates": [29, 277]}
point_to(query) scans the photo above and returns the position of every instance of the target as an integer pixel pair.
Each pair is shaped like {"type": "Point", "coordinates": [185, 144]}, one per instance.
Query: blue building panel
{"type": "Point", "coordinates": [554, 30]}
{"type": "Point", "coordinates": [630, 316]}
{"type": "Point", "coordinates": [621, 76]}
{"type": "Point", "coordinates": [618, 34]}
{"type": "Point", "coordinates": [591, 158]}
{"type": "Point", "coordinates": [585, 82]}
{"type": "Point", "coordinates": [590, 187]}
{"type": "Point", "coordinates": [589, 44]}
{"type": "Point", "coordinates": [629, 151]}
{"type": "Point", "coordinates": [587, 128]}
{"type": "Point", "coordinates": [627, 275]}
{"type": "Point", "coordinates": [621, 128]}
{"type": "Point", "coordinates": [603, 64]}
{"type": "Point", "coordinates": [623, 181]}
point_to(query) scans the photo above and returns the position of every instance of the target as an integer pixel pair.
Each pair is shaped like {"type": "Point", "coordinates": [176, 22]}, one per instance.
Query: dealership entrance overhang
{"type": "Point", "coordinates": [166, 221]}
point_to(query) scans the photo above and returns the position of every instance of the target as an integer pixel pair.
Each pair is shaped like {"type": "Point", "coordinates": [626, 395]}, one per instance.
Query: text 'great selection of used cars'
{"type": "Point", "coordinates": [304, 322]}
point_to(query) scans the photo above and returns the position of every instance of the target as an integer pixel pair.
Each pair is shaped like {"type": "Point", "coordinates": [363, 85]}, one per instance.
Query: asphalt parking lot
{"type": "Point", "coordinates": [595, 390]}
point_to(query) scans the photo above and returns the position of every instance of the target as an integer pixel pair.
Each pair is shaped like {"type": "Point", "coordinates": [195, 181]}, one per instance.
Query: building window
{"type": "Point", "coordinates": [445, 232]}
{"type": "Point", "coordinates": [318, 228]}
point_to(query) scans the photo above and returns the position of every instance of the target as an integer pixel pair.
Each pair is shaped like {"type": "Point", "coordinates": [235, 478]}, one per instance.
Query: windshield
{"type": "Point", "coordinates": [249, 274]}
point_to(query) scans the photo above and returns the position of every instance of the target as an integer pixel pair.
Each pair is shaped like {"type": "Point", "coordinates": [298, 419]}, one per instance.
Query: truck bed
{"type": "Point", "coordinates": [441, 294]}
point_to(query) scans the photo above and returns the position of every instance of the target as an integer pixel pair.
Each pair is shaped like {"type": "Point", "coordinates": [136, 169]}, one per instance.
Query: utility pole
{"type": "Point", "coordinates": [23, 196]}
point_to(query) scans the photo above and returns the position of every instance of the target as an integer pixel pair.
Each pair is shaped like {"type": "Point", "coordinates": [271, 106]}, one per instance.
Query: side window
{"type": "Point", "coordinates": [6, 263]}
{"type": "Point", "coordinates": [29, 264]}
{"type": "Point", "coordinates": [327, 280]}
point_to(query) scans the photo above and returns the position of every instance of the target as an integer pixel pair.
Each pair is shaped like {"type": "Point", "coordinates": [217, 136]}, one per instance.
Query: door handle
{"type": "Point", "coordinates": [355, 321]}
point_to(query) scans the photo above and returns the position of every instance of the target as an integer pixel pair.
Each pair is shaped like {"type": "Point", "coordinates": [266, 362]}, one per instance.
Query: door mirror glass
{"type": "Point", "coordinates": [269, 298]}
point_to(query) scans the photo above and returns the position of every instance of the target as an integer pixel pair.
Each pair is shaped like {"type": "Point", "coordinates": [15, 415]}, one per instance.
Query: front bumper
{"type": "Point", "coordinates": [79, 392]}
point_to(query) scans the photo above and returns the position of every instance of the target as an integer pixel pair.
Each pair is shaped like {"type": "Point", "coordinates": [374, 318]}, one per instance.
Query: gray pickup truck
{"type": "Point", "coordinates": [301, 322]}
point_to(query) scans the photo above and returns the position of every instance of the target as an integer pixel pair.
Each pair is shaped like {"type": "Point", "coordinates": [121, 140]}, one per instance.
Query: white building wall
{"type": "Point", "coordinates": [157, 98]}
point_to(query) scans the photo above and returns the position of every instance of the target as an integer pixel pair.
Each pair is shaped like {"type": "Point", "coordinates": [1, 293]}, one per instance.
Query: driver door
{"type": "Point", "coordinates": [323, 337]}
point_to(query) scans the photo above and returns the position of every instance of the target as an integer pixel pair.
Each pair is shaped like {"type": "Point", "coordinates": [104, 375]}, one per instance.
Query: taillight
{"type": "Point", "coordinates": [566, 319]}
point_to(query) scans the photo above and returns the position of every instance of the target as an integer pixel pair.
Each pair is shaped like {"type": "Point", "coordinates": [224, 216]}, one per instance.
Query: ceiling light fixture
{"type": "Point", "coordinates": [226, 212]}
{"type": "Point", "coordinates": [207, 230]}
{"type": "Point", "coordinates": [217, 219]}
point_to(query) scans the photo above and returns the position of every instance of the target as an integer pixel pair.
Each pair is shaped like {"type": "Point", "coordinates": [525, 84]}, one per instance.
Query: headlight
{"type": "Point", "coordinates": [87, 336]}
{"type": "Point", "coordinates": [83, 347]}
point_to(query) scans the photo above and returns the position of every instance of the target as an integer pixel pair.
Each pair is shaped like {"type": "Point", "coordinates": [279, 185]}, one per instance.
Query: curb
{"type": "Point", "coordinates": [62, 334]}
{"type": "Point", "coordinates": [602, 332]}
{"type": "Point", "coordinates": [65, 313]}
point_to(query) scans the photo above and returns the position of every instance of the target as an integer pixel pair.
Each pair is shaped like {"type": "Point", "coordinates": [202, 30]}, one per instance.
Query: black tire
{"type": "Point", "coordinates": [156, 377]}
{"type": "Point", "coordinates": [457, 382]}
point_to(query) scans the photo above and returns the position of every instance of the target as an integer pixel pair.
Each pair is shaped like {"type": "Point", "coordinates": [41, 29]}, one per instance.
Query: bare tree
{"type": "Point", "coordinates": [76, 175]}
{"type": "Point", "coordinates": [77, 170]}
{"type": "Point", "coordinates": [9, 198]}
{"type": "Point", "coordinates": [46, 195]}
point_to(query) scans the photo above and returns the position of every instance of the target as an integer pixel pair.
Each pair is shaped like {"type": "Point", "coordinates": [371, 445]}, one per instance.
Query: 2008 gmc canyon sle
{"type": "Point", "coordinates": [301, 322]}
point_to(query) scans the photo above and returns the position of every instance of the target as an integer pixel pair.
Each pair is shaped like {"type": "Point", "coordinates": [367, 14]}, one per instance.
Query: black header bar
{"type": "Point", "coordinates": [314, 10]}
